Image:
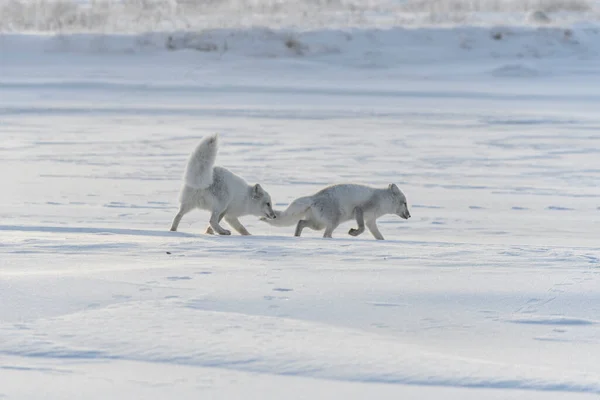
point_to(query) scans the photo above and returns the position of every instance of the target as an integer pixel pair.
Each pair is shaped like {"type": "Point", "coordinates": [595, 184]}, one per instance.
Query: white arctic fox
{"type": "Point", "coordinates": [335, 204]}
{"type": "Point", "coordinates": [219, 191]}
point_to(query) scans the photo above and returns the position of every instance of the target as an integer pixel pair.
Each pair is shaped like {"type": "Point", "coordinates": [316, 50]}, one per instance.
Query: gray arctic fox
{"type": "Point", "coordinates": [331, 206]}
{"type": "Point", "coordinates": [219, 191]}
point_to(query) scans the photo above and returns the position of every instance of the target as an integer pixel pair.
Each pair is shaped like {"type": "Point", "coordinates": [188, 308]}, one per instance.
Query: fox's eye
{"type": "Point", "coordinates": [268, 204]}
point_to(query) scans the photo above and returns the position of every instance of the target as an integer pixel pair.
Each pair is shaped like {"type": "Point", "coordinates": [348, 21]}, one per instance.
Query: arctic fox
{"type": "Point", "coordinates": [335, 204]}
{"type": "Point", "coordinates": [219, 191]}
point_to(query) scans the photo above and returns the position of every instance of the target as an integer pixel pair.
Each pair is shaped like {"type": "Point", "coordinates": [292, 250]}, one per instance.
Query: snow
{"type": "Point", "coordinates": [490, 290]}
{"type": "Point", "coordinates": [110, 16]}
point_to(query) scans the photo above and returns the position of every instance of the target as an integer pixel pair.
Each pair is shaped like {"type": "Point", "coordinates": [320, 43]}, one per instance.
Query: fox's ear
{"type": "Point", "coordinates": [394, 189]}
{"type": "Point", "coordinates": [257, 191]}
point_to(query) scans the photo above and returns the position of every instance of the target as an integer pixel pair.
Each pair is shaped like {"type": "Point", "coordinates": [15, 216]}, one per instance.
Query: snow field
{"type": "Point", "coordinates": [489, 290]}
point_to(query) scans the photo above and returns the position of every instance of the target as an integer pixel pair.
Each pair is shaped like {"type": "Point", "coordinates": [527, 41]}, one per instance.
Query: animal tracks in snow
{"type": "Point", "coordinates": [179, 278]}
{"type": "Point", "coordinates": [279, 289]}
{"type": "Point", "coordinates": [551, 320]}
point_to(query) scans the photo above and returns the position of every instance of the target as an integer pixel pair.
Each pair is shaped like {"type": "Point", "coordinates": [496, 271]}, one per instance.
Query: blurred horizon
{"type": "Point", "coordinates": [136, 16]}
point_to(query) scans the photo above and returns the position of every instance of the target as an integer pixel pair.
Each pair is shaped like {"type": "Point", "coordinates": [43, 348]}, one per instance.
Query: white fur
{"type": "Point", "coordinates": [336, 204]}
{"type": "Point", "coordinates": [199, 170]}
{"type": "Point", "coordinates": [219, 191]}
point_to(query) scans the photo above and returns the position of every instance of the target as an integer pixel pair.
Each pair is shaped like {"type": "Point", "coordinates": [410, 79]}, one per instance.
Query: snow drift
{"type": "Point", "coordinates": [375, 33]}
{"type": "Point", "coordinates": [359, 47]}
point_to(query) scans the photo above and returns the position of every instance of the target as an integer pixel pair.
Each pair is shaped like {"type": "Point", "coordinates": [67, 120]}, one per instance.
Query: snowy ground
{"type": "Point", "coordinates": [491, 290]}
{"type": "Point", "coordinates": [110, 16]}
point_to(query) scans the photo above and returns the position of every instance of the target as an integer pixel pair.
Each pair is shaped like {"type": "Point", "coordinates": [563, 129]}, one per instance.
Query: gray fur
{"type": "Point", "coordinates": [220, 191]}
{"type": "Point", "coordinates": [330, 207]}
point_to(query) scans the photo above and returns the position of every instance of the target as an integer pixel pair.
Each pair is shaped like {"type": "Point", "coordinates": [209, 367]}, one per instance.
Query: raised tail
{"type": "Point", "coordinates": [199, 170]}
{"type": "Point", "coordinates": [292, 214]}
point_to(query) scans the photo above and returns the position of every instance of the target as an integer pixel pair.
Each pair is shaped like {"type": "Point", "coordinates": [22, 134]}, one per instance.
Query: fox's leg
{"type": "Point", "coordinates": [184, 208]}
{"type": "Point", "coordinates": [301, 225]}
{"type": "Point", "coordinates": [209, 229]}
{"type": "Point", "coordinates": [237, 225]}
{"type": "Point", "coordinates": [358, 214]}
{"type": "Point", "coordinates": [372, 225]}
{"type": "Point", "coordinates": [306, 223]}
{"type": "Point", "coordinates": [329, 230]}
{"type": "Point", "coordinates": [215, 218]}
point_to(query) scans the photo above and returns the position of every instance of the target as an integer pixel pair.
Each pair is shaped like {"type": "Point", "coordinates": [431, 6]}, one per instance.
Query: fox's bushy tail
{"type": "Point", "coordinates": [292, 214]}
{"type": "Point", "coordinates": [199, 170]}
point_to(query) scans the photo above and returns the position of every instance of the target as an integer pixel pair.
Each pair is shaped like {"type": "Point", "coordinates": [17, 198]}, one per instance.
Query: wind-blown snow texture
{"type": "Point", "coordinates": [491, 290]}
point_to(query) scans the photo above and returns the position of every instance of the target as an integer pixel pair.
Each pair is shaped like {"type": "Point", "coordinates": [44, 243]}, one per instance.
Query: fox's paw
{"type": "Point", "coordinates": [354, 232]}
{"type": "Point", "coordinates": [225, 232]}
